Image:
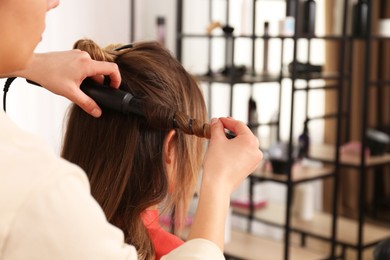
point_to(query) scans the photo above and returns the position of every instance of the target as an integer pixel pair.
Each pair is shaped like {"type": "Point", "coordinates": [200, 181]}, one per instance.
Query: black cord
{"type": "Point", "coordinates": [7, 85]}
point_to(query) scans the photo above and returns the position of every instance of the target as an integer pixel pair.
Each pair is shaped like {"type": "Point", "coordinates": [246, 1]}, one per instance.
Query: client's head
{"type": "Point", "coordinates": [132, 165]}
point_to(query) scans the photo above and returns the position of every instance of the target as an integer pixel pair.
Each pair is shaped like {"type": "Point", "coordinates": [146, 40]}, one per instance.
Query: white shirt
{"type": "Point", "coordinates": [47, 211]}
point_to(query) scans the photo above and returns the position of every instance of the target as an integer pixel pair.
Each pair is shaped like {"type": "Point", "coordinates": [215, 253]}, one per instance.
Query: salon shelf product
{"type": "Point", "coordinates": [252, 114]}
{"type": "Point", "coordinates": [360, 13]}
{"type": "Point", "coordinates": [304, 142]}
{"type": "Point", "coordinates": [161, 30]}
{"type": "Point", "coordinates": [309, 17]}
{"type": "Point", "coordinates": [265, 47]}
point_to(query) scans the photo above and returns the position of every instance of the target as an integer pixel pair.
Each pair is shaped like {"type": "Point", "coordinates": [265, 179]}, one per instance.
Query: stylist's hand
{"type": "Point", "coordinates": [229, 161]}
{"type": "Point", "coordinates": [63, 72]}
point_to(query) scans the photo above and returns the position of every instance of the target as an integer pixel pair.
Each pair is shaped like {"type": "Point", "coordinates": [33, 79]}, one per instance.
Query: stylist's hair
{"type": "Point", "coordinates": [123, 154]}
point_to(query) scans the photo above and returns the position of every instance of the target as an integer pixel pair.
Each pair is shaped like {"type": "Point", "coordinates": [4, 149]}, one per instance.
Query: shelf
{"type": "Point", "coordinates": [314, 75]}
{"type": "Point", "coordinates": [248, 79]}
{"type": "Point", "coordinates": [299, 174]}
{"type": "Point", "coordinates": [320, 225]}
{"type": "Point", "coordinates": [299, 37]}
{"type": "Point", "coordinates": [291, 47]}
{"type": "Point", "coordinates": [327, 153]}
{"type": "Point", "coordinates": [247, 246]}
{"type": "Point", "coordinates": [265, 78]}
{"type": "Point", "coordinates": [234, 36]}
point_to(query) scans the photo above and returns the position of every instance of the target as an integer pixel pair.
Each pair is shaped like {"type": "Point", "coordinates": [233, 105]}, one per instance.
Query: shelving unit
{"type": "Point", "coordinates": [243, 245]}
{"type": "Point", "coordinates": [299, 174]}
{"type": "Point", "coordinates": [338, 231]}
{"type": "Point", "coordinates": [320, 226]}
{"type": "Point", "coordinates": [326, 153]}
{"type": "Point", "coordinates": [250, 247]}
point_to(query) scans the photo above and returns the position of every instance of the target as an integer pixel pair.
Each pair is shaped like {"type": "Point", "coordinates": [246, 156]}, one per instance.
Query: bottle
{"type": "Point", "coordinates": [303, 201]}
{"type": "Point", "coordinates": [287, 24]}
{"type": "Point", "coordinates": [161, 30]}
{"type": "Point", "coordinates": [265, 49]}
{"type": "Point", "coordinates": [360, 13]}
{"type": "Point", "coordinates": [290, 7]}
{"type": "Point", "coordinates": [252, 114]}
{"type": "Point", "coordinates": [304, 142]}
{"type": "Point", "coordinates": [309, 18]}
{"type": "Point", "coordinates": [246, 14]}
{"type": "Point", "coordinates": [229, 55]}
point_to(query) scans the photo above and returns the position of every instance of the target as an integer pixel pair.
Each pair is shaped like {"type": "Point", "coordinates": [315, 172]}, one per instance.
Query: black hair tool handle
{"type": "Point", "coordinates": [111, 98]}
{"type": "Point", "coordinates": [229, 134]}
{"type": "Point", "coordinates": [108, 97]}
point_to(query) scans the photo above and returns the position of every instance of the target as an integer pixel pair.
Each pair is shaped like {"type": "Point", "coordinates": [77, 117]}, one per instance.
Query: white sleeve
{"type": "Point", "coordinates": [61, 220]}
{"type": "Point", "coordinates": [196, 249]}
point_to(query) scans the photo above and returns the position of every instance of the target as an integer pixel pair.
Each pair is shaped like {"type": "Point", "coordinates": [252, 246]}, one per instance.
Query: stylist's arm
{"type": "Point", "coordinates": [63, 72]}
{"type": "Point", "coordinates": [227, 163]}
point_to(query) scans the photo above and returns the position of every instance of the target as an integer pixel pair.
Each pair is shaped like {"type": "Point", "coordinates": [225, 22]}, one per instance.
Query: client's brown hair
{"type": "Point", "coordinates": [123, 155]}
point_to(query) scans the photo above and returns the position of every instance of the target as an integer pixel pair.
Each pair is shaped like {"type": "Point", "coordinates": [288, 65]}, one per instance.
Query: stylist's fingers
{"type": "Point", "coordinates": [237, 157]}
{"type": "Point", "coordinates": [110, 69]}
{"type": "Point", "coordinates": [238, 127]}
{"type": "Point", "coordinates": [246, 141]}
{"type": "Point", "coordinates": [216, 129]}
{"type": "Point", "coordinates": [96, 70]}
{"type": "Point", "coordinates": [86, 103]}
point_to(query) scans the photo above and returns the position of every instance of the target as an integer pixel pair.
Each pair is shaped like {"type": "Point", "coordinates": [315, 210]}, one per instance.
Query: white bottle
{"type": "Point", "coordinates": [246, 16]}
{"type": "Point", "coordinates": [287, 26]}
{"type": "Point", "coordinates": [303, 204]}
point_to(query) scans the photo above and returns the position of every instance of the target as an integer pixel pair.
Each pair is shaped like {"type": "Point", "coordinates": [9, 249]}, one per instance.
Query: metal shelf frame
{"type": "Point", "coordinates": [341, 85]}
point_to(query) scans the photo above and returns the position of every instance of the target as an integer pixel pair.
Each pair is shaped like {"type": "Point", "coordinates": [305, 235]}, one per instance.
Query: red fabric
{"type": "Point", "coordinates": [163, 241]}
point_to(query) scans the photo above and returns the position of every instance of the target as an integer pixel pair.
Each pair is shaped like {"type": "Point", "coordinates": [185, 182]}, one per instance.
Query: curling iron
{"type": "Point", "coordinates": [110, 98]}
{"type": "Point", "coordinates": [115, 99]}
{"type": "Point", "coordinates": [119, 100]}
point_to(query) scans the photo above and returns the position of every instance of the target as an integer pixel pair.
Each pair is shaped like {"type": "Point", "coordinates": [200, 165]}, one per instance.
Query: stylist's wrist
{"type": "Point", "coordinates": [209, 220]}
{"type": "Point", "coordinates": [211, 185]}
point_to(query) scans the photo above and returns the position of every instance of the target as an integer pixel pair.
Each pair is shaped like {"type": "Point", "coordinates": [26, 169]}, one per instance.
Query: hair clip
{"type": "Point", "coordinates": [174, 121]}
{"type": "Point", "coordinates": [127, 46]}
{"type": "Point", "coordinates": [190, 126]}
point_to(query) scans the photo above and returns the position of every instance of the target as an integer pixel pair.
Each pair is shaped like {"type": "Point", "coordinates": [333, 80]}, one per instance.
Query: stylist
{"type": "Point", "coordinates": [46, 209]}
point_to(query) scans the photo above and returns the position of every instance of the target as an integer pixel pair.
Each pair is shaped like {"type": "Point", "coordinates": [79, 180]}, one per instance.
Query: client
{"type": "Point", "coordinates": [134, 167]}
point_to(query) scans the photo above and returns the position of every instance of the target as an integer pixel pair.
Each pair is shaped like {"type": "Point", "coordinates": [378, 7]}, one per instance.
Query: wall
{"type": "Point", "coordinates": [33, 108]}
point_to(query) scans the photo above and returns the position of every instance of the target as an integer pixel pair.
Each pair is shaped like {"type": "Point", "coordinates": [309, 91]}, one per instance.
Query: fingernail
{"type": "Point", "coordinates": [214, 121]}
{"type": "Point", "coordinates": [96, 112]}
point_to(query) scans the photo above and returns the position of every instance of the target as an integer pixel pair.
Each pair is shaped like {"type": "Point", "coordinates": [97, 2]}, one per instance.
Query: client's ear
{"type": "Point", "coordinates": [170, 157]}
{"type": "Point", "coordinates": [169, 147]}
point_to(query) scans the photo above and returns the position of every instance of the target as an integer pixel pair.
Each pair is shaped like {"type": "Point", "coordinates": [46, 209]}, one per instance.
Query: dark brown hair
{"type": "Point", "coordinates": [123, 155]}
